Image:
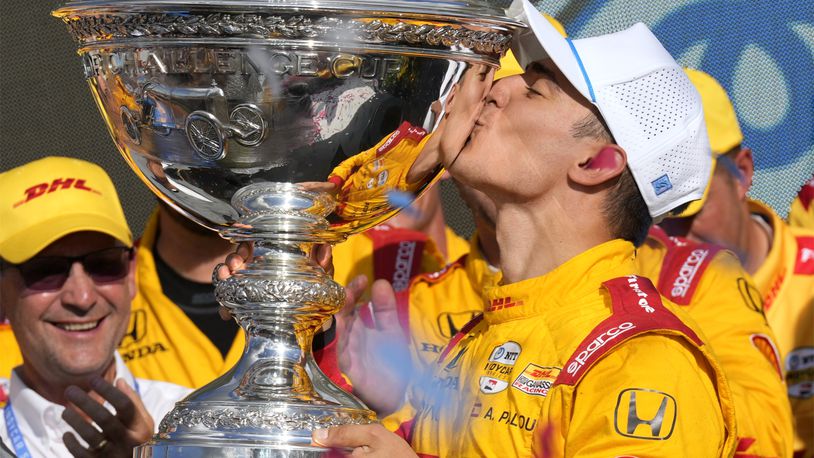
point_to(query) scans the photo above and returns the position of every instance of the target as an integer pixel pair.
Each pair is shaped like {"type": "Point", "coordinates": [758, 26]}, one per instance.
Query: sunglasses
{"type": "Point", "coordinates": [49, 273]}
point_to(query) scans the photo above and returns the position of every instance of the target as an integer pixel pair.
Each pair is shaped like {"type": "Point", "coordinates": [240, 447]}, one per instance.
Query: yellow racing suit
{"type": "Point", "coordinates": [586, 360]}
{"type": "Point", "coordinates": [786, 282]}
{"type": "Point", "coordinates": [161, 342]}
{"type": "Point", "coordinates": [801, 213]}
{"type": "Point", "coordinates": [439, 304]}
{"type": "Point", "coordinates": [712, 287]}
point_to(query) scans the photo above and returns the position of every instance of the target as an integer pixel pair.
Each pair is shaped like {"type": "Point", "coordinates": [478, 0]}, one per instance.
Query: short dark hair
{"type": "Point", "coordinates": [626, 211]}
{"type": "Point", "coordinates": [624, 208]}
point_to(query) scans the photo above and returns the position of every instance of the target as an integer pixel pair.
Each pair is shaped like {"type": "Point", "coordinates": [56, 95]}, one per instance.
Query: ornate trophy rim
{"type": "Point", "coordinates": [471, 12]}
{"type": "Point", "coordinates": [480, 28]}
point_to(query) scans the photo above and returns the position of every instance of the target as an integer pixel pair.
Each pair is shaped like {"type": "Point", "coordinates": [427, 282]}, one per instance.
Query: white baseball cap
{"type": "Point", "coordinates": [652, 109]}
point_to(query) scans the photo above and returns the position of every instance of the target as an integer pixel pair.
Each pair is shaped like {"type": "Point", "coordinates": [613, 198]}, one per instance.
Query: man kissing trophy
{"type": "Point", "coordinates": [273, 122]}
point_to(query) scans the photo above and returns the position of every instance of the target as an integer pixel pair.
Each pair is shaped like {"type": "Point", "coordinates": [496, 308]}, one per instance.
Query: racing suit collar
{"type": "Point", "coordinates": [481, 274]}
{"type": "Point", "coordinates": [581, 275]}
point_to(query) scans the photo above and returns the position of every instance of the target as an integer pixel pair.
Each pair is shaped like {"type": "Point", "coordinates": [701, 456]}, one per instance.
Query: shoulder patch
{"type": "Point", "coordinates": [405, 130]}
{"type": "Point", "coordinates": [682, 269]}
{"type": "Point", "coordinates": [804, 264]}
{"type": "Point", "coordinates": [637, 309]}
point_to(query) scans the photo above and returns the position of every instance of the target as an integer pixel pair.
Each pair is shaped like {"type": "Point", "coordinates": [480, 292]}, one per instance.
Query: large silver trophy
{"type": "Point", "coordinates": [286, 123]}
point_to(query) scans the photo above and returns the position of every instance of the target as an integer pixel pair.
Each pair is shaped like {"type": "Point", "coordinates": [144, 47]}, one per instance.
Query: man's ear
{"type": "Point", "coordinates": [746, 166]}
{"type": "Point", "coordinates": [607, 162]}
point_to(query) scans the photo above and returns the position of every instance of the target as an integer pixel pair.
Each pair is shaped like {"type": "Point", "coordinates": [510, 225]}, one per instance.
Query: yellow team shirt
{"type": "Point", "coordinates": [161, 342]}
{"type": "Point", "coordinates": [712, 287]}
{"type": "Point", "coordinates": [801, 213]}
{"type": "Point", "coordinates": [786, 283]}
{"type": "Point", "coordinates": [583, 361]}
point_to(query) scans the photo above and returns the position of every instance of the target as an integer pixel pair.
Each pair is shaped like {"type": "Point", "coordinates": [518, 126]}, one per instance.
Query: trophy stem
{"type": "Point", "coordinates": [276, 395]}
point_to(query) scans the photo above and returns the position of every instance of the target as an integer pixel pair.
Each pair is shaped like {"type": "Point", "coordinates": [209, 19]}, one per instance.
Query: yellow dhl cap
{"type": "Point", "coordinates": [723, 129]}
{"type": "Point", "coordinates": [47, 199]}
{"type": "Point", "coordinates": [719, 113]}
{"type": "Point", "coordinates": [509, 65]}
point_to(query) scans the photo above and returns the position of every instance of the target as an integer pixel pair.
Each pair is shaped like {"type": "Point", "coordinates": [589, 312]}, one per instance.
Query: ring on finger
{"type": "Point", "coordinates": [102, 444]}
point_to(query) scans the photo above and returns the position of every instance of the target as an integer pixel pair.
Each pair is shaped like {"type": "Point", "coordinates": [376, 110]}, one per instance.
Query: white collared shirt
{"type": "Point", "coordinates": [40, 420]}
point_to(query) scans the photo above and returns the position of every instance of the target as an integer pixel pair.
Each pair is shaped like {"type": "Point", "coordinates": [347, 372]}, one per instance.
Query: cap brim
{"type": "Point", "coordinates": [24, 246]}
{"type": "Point", "coordinates": [695, 206]}
{"type": "Point", "coordinates": [541, 40]}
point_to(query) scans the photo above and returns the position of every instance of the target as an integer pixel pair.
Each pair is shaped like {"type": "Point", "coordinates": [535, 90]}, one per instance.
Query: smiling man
{"type": "Point", "coordinates": [66, 282]}
{"type": "Point", "coordinates": [575, 354]}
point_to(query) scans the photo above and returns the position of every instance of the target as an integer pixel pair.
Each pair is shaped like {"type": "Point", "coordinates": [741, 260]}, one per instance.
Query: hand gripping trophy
{"type": "Point", "coordinates": [273, 121]}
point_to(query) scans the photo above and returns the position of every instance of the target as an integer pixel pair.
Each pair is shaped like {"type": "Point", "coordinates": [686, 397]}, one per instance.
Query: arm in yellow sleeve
{"type": "Point", "coordinates": [728, 307]}
{"type": "Point", "coordinates": [652, 396]}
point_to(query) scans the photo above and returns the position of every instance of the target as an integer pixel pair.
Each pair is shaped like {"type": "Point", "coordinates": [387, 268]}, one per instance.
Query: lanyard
{"type": "Point", "coordinates": [13, 429]}
{"type": "Point", "coordinates": [14, 434]}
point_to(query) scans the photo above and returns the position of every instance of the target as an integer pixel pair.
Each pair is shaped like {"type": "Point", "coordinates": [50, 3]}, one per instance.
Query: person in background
{"type": "Point", "coordinates": [779, 257]}
{"type": "Point", "coordinates": [715, 290]}
{"type": "Point", "coordinates": [67, 278]}
{"type": "Point", "coordinates": [175, 332]}
{"type": "Point", "coordinates": [801, 213]}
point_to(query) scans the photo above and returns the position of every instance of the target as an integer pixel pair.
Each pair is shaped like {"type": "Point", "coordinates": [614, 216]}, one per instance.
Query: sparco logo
{"type": "Point", "coordinates": [404, 264]}
{"type": "Point", "coordinates": [56, 185]}
{"type": "Point", "coordinates": [685, 276]}
{"type": "Point", "coordinates": [633, 282]}
{"type": "Point", "coordinates": [389, 141]}
{"type": "Point", "coordinates": [597, 344]}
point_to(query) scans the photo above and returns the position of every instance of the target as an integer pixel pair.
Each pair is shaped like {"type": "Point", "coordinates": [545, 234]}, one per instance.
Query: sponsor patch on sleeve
{"type": "Point", "coordinates": [646, 414]}
{"type": "Point", "coordinates": [536, 380]}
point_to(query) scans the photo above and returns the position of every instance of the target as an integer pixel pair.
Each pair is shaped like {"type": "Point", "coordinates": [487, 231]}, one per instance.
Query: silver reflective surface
{"type": "Point", "coordinates": [284, 123]}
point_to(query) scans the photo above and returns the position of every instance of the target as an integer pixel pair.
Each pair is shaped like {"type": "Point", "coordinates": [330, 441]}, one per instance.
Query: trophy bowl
{"type": "Point", "coordinates": [284, 123]}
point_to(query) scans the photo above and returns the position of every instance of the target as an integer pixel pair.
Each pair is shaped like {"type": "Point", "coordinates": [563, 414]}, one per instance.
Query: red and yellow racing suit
{"type": "Point", "coordinates": [394, 254]}
{"type": "Point", "coordinates": [712, 287]}
{"type": "Point", "coordinates": [801, 213]}
{"type": "Point", "coordinates": [440, 304]}
{"type": "Point", "coordinates": [583, 361]}
{"type": "Point", "coordinates": [786, 282]}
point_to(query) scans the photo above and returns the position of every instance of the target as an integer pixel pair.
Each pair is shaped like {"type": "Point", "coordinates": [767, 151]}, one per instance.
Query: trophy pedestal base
{"type": "Point", "coordinates": [166, 450]}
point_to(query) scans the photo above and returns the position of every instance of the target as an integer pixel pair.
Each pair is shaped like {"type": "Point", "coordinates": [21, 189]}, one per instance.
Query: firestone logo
{"type": "Point", "coordinates": [633, 282]}
{"type": "Point", "coordinates": [597, 344]}
{"type": "Point", "coordinates": [58, 184]}
{"type": "Point", "coordinates": [687, 272]}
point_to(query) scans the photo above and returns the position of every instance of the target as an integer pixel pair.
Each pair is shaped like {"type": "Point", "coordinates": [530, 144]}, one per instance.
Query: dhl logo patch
{"type": "Point", "coordinates": [58, 184]}
{"type": "Point", "coordinates": [503, 303]}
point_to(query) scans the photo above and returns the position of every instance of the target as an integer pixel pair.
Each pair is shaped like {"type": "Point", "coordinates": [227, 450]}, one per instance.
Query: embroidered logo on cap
{"type": "Point", "coordinates": [662, 184]}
